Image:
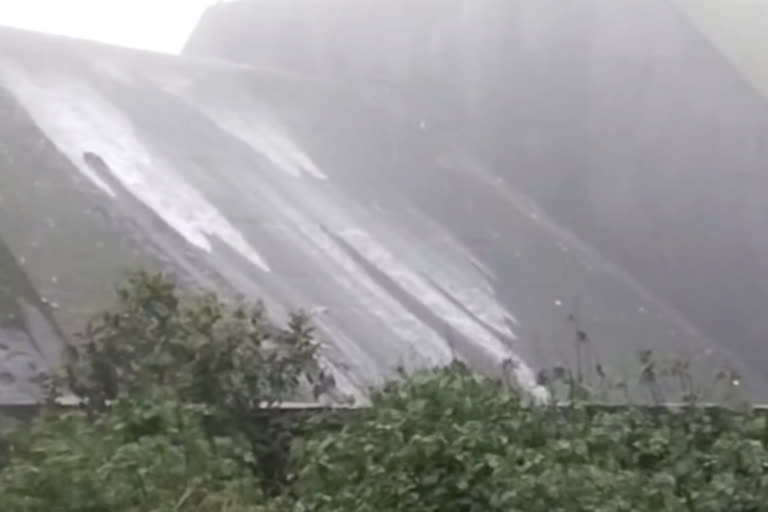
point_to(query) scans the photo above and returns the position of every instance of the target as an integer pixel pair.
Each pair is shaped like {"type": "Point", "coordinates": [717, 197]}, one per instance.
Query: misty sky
{"type": "Point", "coordinates": [158, 25]}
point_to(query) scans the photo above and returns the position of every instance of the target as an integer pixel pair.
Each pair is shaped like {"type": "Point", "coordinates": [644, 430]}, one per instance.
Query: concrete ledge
{"type": "Point", "coordinates": [23, 410]}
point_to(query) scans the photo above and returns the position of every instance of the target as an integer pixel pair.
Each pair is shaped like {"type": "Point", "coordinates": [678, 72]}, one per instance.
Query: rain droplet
{"type": "Point", "coordinates": [559, 303]}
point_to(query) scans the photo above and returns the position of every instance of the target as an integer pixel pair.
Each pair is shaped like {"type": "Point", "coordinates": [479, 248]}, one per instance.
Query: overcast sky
{"type": "Point", "coordinates": [159, 25]}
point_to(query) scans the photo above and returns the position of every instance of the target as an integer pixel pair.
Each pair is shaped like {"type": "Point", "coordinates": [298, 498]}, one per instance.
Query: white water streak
{"type": "Point", "coordinates": [77, 119]}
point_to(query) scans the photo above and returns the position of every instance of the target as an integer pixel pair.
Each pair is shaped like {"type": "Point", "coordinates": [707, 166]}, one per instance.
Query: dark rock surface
{"type": "Point", "coordinates": [408, 248]}
{"type": "Point", "coordinates": [621, 119]}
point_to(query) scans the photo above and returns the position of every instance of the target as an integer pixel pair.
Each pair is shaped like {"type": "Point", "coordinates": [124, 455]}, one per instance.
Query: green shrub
{"type": "Point", "coordinates": [195, 346]}
{"type": "Point", "coordinates": [198, 349]}
{"type": "Point", "coordinates": [450, 440]}
{"type": "Point", "coordinates": [171, 385]}
{"type": "Point", "coordinates": [142, 455]}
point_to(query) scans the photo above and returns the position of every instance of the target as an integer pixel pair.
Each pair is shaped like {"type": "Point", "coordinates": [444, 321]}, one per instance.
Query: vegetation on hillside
{"type": "Point", "coordinates": [174, 385]}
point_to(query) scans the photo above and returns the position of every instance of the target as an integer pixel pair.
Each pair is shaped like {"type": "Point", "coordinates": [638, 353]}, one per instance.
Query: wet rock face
{"type": "Point", "coordinates": [409, 243]}
{"type": "Point", "coordinates": [28, 338]}
{"type": "Point", "coordinates": [621, 119]}
{"type": "Point", "coordinates": [20, 365]}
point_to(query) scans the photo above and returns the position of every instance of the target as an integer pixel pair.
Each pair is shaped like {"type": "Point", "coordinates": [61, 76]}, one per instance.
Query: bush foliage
{"type": "Point", "coordinates": [172, 385]}
{"type": "Point", "coordinates": [450, 440]}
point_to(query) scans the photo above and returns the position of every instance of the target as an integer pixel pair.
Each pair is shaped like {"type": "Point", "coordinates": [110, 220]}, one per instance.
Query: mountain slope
{"type": "Point", "coordinates": [639, 124]}
{"type": "Point", "coordinates": [408, 249]}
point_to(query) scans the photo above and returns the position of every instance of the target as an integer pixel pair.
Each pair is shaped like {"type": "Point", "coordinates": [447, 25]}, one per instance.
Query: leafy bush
{"type": "Point", "coordinates": [451, 440]}
{"type": "Point", "coordinates": [195, 346]}
{"type": "Point", "coordinates": [171, 384]}
{"type": "Point", "coordinates": [142, 455]}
